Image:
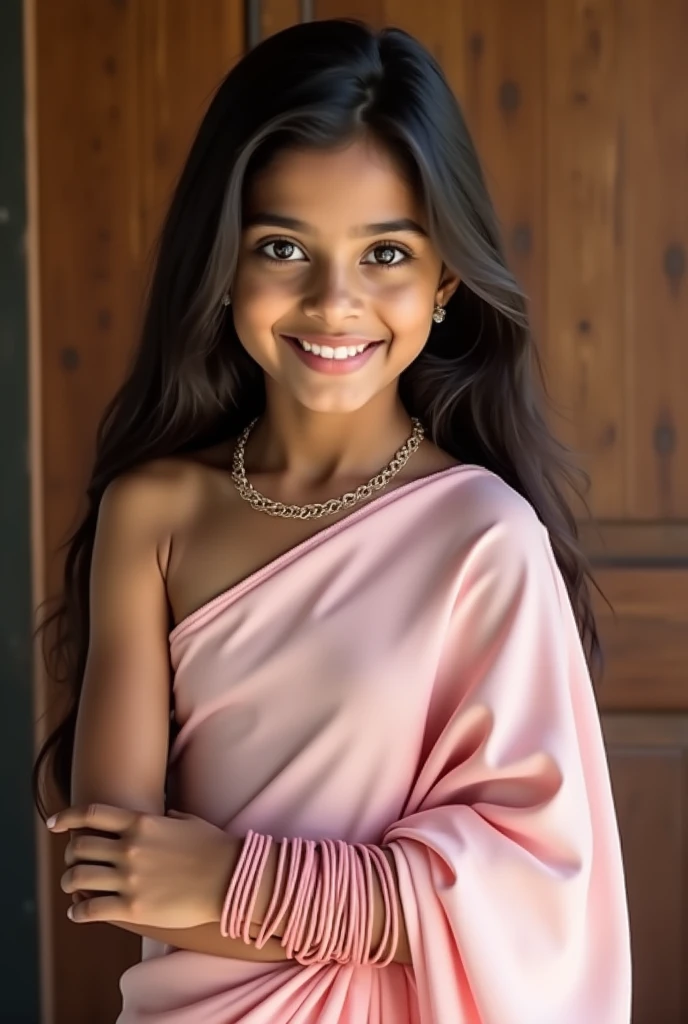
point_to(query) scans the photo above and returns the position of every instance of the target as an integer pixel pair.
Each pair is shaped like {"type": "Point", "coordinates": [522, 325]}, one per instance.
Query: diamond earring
{"type": "Point", "coordinates": [226, 300]}
{"type": "Point", "coordinates": [438, 314]}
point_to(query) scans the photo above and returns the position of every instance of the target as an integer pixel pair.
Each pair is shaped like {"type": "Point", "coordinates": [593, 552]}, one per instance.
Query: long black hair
{"type": "Point", "coordinates": [477, 385]}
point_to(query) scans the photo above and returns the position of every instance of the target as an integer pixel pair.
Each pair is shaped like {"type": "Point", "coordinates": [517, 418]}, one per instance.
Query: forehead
{"type": "Point", "coordinates": [358, 183]}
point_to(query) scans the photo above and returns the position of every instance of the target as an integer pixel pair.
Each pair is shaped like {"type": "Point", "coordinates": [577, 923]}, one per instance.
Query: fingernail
{"type": "Point", "coordinates": [70, 913]}
{"type": "Point", "coordinates": [51, 821]}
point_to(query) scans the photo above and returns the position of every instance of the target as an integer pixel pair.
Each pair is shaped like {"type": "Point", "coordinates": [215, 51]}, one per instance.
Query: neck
{"type": "Point", "coordinates": [307, 449]}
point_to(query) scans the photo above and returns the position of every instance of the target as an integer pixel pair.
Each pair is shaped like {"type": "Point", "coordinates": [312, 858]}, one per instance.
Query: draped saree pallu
{"type": "Point", "coordinates": [411, 677]}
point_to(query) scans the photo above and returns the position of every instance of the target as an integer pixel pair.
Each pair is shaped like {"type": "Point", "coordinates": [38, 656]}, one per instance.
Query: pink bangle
{"type": "Point", "coordinates": [255, 887]}
{"type": "Point", "coordinates": [326, 870]}
{"type": "Point", "coordinates": [328, 900]}
{"type": "Point", "coordinates": [241, 895]}
{"type": "Point", "coordinates": [295, 846]}
{"type": "Point", "coordinates": [298, 904]}
{"type": "Point", "coordinates": [343, 889]}
{"type": "Point", "coordinates": [326, 905]}
{"type": "Point", "coordinates": [268, 925]}
{"type": "Point", "coordinates": [310, 901]}
{"type": "Point", "coordinates": [313, 901]}
{"type": "Point", "coordinates": [362, 923]}
{"type": "Point", "coordinates": [350, 948]}
{"type": "Point", "coordinates": [307, 886]}
{"type": "Point", "coordinates": [337, 900]}
{"type": "Point", "coordinates": [387, 889]}
{"type": "Point", "coordinates": [370, 904]}
{"type": "Point", "coordinates": [224, 931]}
{"type": "Point", "coordinates": [394, 899]}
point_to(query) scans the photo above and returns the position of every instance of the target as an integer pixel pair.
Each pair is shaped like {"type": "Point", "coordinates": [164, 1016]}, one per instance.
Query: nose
{"type": "Point", "coordinates": [331, 296]}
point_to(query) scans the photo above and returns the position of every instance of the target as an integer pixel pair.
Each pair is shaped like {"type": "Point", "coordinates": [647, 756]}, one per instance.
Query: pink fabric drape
{"type": "Point", "coordinates": [412, 676]}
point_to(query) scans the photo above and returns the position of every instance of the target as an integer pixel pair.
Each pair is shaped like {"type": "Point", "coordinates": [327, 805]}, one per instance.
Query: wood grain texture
{"type": "Point", "coordinates": [655, 211]}
{"type": "Point", "coordinates": [503, 56]}
{"type": "Point", "coordinates": [119, 91]}
{"type": "Point", "coordinates": [578, 112]}
{"type": "Point", "coordinates": [645, 639]}
{"type": "Point", "coordinates": [649, 769]}
{"type": "Point", "coordinates": [274, 15]}
{"type": "Point", "coordinates": [86, 158]}
{"type": "Point", "coordinates": [587, 357]}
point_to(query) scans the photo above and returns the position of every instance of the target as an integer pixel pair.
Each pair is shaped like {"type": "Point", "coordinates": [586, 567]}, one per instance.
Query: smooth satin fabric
{"type": "Point", "coordinates": [411, 675]}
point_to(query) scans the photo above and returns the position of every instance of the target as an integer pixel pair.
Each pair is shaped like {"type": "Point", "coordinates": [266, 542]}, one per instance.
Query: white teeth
{"type": "Point", "coordinates": [327, 352]}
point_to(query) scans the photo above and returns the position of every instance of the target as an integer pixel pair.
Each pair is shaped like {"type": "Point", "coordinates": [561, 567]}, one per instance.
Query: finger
{"type": "Point", "coordinates": [102, 908]}
{"type": "Point", "coordinates": [97, 877]}
{"type": "Point", "coordinates": [97, 850]}
{"type": "Point", "coordinates": [102, 817]}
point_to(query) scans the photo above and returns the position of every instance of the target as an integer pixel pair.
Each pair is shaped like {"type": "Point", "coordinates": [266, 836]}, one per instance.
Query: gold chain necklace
{"type": "Point", "coordinates": [316, 509]}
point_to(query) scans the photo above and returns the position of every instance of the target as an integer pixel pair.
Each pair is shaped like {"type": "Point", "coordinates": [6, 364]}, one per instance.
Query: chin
{"type": "Point", "coordinates": [333, 403]}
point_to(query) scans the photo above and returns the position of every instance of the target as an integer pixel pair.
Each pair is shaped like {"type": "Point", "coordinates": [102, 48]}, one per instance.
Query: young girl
{"type": "Point", "coordinates": [327, 529]}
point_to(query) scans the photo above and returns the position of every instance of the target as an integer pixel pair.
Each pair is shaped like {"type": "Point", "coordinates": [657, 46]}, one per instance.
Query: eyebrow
{"type": "Point", "coordinates": [361, 231]}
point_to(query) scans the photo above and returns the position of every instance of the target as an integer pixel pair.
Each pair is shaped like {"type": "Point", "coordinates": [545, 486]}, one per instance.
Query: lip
{"type": "Point", "coordinates": [333, 366]}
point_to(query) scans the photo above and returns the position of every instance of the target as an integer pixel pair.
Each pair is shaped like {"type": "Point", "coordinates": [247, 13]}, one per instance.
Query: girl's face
{"type": "Point", "coordinates": [334, 252]}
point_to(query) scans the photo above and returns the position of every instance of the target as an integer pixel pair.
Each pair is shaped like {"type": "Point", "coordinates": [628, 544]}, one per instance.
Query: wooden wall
{"type": "Point", "coordinates": [578, 110]}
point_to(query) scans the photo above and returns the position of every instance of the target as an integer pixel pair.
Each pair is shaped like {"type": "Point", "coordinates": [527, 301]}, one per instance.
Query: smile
{"type": "Point", "coordinates": [332, 359]}
{"type": "Point", "coordinates": [328, 352]}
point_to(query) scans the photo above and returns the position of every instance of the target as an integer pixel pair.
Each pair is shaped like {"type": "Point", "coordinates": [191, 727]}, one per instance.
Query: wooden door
{"type": "Point", "coordinates": [578, 110]}
{"type": "Point", "coordinates": [116, 90]}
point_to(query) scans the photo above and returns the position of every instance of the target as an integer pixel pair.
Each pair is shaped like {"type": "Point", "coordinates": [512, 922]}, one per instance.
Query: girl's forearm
{"type": "Point", "coordinates": [402, 953]}
{"type": "Point", "coordinates": [207, 938]}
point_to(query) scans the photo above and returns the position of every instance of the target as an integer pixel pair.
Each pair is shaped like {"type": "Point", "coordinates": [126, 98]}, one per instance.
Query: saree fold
{"type": "Point", "coordinates": [411, 675]}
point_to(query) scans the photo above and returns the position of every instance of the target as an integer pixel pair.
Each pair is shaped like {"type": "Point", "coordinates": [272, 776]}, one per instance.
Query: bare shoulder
{"type": "Point", "coordinates": [158, 497]}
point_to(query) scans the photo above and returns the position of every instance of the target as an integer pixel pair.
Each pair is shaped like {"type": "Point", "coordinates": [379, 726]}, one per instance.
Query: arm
{"type": "Point", "coordinates": [122, 735]}
{"type": "Point", "coordinates": [267, 885]}
{"type": "Point", "coordinates": [122, 731]}
{"type": "Point", "coordinates": [207, 938]}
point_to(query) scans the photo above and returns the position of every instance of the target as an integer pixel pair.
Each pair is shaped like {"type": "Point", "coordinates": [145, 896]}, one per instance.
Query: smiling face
{"type": "Point", "coordinates": [334, 253]}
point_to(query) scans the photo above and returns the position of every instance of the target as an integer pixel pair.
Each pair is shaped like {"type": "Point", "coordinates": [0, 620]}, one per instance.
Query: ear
{"type": "Point", "coordinates": [448, 285]}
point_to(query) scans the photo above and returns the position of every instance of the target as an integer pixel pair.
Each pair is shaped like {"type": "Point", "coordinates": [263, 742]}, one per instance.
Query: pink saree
{"type": "Point", "coordinates": [412, 676]}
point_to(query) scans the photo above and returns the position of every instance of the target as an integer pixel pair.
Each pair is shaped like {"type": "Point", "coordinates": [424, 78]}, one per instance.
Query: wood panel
{"type": "Point", "coordinates": [649, 768]}
{"type": "Point", "coordinates": [655, 114]}
{"type": "Point", "coordinates": [119, 89]}
{"type": "Point", "coordinates": [618, 225]}
{"type": "Point", "coordinates": [577, 113]}
{"type": "Point", "coordinates": [183, 52]}
{"type": "Point", "coordinates": [588, 358]}
{"type": "Point", "coordinates": [86, 149]}
{"type": "Point", "coordinates": [645, 639]}
{"type": "Point", "coordinates": [503, 93]}
{"type": "Point", "coordinates": [616, 233]}
{"type": "Point", "coordinates": [274, 15]}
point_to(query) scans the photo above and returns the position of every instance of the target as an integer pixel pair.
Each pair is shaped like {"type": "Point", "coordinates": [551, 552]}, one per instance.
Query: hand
{"type": "Point", "coordinates": [162, 872]}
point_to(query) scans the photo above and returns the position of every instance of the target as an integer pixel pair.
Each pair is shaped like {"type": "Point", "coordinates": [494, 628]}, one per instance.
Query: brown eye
{"type": "Point", "coordinates": [388, 255]}
{"type": "Point", "coordinates": [283, 251]}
